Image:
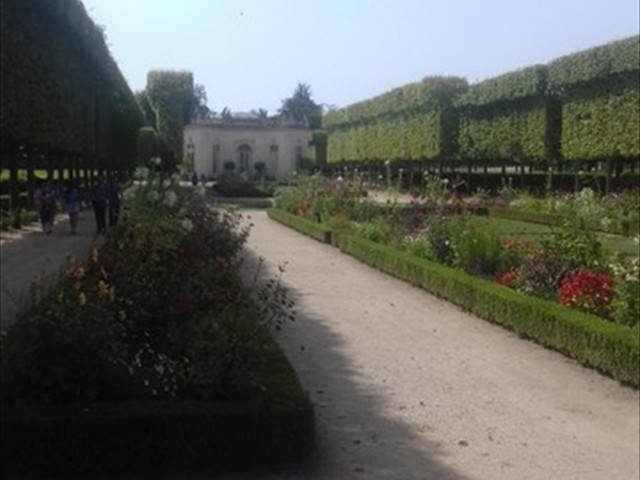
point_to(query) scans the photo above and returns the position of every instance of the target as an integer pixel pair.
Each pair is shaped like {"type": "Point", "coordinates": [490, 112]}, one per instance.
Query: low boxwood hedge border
{"type": "Point", "coordinates": [153, 436]}
{"type": "Point", "coordinates": [315, 230]}
{"type": "Point", "coordinates": [604, 346]}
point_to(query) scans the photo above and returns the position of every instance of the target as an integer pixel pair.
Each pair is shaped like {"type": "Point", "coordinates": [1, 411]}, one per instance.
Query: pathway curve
{"type": "Point", "coordinates": [408, 386]}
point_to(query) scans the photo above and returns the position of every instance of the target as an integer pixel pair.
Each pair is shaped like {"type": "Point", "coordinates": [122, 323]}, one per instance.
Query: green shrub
{"type": "Point", "coordinates": [476, 246]}
{"type": "Point", "coordinates": [626, 302]}
{"type": "Point", "coordinates": [438, 241]}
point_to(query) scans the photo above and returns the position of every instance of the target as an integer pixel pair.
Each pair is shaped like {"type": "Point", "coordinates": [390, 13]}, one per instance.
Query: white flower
{"type": "Point", "coordinates": [186, 224]}
{"type": "Point", "coordinates": [153, 196]}
{"type": "Point", "coordinates": [445, 181]}
{"type": "Point", "coordinates": [156, 160]}
{"type": "Point", "coordinates": [170, 198]}
{"type": "Point", "coordinates": [141, 173]}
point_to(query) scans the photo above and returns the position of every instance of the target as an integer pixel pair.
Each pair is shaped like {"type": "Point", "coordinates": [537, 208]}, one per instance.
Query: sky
{"type": "Point", "coordinates": [251, 54]}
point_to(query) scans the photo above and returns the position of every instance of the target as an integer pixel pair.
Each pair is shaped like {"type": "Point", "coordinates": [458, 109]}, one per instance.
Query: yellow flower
{"type": "Point", "coordinates": [94, 254]}
{"type": "Point", "coordinates": [102, 289]}
{"type": "Point", "coordinates": [82, 299]}
{"type": "Point", "coordinates": [122, 316]}
{"type": "Point", "coordinates": [77, 273]}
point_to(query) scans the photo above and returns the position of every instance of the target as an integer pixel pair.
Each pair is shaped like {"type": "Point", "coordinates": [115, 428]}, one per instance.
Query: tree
{"type": "Point", "coordinates": [300, 107]}
{"type": "Point", "coordinates": [145, 106]}
{"type": "Point", "coordinates": [174, 99]}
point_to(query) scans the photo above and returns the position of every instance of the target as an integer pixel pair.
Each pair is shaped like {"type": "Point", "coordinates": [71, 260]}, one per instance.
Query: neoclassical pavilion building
{"type": "Point", "coordinates": [245, 143]}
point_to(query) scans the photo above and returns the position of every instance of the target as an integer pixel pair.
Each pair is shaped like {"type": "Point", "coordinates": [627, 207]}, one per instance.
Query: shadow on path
{"type": "Point", "coordinates": [355, 435]}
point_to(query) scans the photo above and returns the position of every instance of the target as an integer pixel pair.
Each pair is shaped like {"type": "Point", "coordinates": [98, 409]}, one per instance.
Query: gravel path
{"type": "Point", "coordinates": [407, 386]}
{"type": "Point", "coordinates": [28, 254]}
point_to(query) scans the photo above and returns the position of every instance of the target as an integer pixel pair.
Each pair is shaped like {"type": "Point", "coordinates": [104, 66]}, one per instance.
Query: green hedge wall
{"type": "Point", "coordinates": [600, 92]}
{"type": "Point", "coordinates": [584, 106]}
{"type": "Point", "coordinates": [597, 63]}
{"type": "Point", "coordinates": [61, 89]}
{"type": "Point", "coordinates": [603, 125]}
{"type": "Point", "coordinates": [413, 122]}
{"type": "Point", "coordinates": [497, 134]}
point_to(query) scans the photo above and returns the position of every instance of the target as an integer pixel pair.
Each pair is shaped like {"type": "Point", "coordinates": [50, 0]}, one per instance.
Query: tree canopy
{"type": "Point", "coordinates": [301, 107]}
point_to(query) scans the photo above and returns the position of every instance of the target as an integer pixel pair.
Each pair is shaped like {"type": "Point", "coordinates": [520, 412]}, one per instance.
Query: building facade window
{"type": "Point", "coordinates": [216, 157]}
{"type": "Point", "coordinates": [244, 157]}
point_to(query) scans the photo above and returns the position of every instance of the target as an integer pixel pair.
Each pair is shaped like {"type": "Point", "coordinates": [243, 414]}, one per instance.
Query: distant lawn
{"type": "Point", "coordinates": [533, 231]}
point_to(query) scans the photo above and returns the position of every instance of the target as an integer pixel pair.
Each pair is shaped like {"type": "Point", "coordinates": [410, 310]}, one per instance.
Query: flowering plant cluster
{"type": "Point", "coordinates": [157, 310]}
{"type": "Point", "coordinates": [587, 290]}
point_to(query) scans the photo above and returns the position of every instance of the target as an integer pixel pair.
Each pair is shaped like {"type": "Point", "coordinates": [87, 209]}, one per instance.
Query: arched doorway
{"type": "Point", "coordinates": [244, 157]}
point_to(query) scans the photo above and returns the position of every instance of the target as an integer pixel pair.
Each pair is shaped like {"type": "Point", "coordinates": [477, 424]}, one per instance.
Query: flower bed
{"type": "Point", "coordinates": [155, 319]}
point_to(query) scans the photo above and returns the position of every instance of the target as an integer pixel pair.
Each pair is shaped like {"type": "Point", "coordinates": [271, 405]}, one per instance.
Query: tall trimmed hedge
{"type": "Point", "coordinates": [506, 118]}
{"type": "Point", "coordinates": [414, 122]}
{"type": "Point", "coordinates": [600, 92]}
{"type": "Point", "coordinates": [584, 106]}
{"type": "Point", "coordinates": [61, 89]}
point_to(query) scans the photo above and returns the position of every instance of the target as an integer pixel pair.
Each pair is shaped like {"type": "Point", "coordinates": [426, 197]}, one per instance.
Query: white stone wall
{"type": "Point", "coordinates": [276, 146]}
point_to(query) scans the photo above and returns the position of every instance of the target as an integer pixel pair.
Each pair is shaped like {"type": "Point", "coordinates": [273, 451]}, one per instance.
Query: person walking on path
{"type": "Point", "coordinates": [71, 202]}
{"type": "Point", "coordinates": [99, 204]}
{"type": "Point", "coordinates": [113, 200]}
{"type": "Point", "coordinates": [44, 200]}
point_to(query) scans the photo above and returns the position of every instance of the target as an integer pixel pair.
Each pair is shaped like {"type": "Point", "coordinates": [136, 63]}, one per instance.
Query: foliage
{"type": "Point", "coordinates": [625, 308]}
{"type": "Point", "coordinates": [595, 64]}
{"type": "Point", "coordinates": [17, 218]}
{"type": "Point", "coordinates": [602, 121]}
{"type": "Point", "coordinates": [301, 107]}
{"type": "Point", "coordinates": [527, 82]}
{"type": "Point", "coordinates": [476, 246]}
{"type": "Point", "coordinates": [438, 235]}
{"type": "Point", "coordinates": [320, 199]}
{"type": "Point", "coordinates": [234, 185]}
{"type": "Point", "coordinates": [413, 122]}
{"type": "Point", "coordinates": [61, 88]}
{"type": "Point", "coordinates": [574, 246]}
{"type": "Point", "coordinates": [148, 114]}
{"type": "Point", "coordinates": [319, 231]}
{"type": "Point", "coordinates": [516, 132]}
{"type": "Point", "coordinates": [173, 98]}
{"type": "Point", "coordinates": [582, 106]}
{"type": "Point", "coordinates": [158, 310]}
{"type": "Point", "coordinates": [147, 145]}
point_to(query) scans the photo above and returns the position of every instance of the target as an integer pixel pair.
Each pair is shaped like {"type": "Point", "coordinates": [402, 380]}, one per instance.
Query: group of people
{"type": "Point", "coordinates": [104, 199]}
